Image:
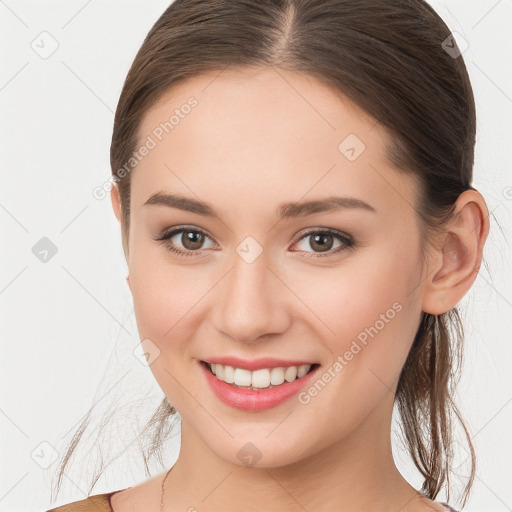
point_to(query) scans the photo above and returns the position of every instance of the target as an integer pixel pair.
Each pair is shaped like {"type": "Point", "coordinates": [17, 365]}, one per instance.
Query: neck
{"type": "Point", "coordinates": [356, 473]}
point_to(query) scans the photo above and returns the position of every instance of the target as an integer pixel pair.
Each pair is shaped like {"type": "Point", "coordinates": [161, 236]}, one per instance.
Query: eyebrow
{"type": "Point", "coordinates": [285, 211]}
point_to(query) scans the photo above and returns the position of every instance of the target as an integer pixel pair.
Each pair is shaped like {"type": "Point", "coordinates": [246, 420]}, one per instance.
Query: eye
{"type": "Point", "coordinates": [190, 238]}
{"type": "Point", "coordinates": [323, 240]}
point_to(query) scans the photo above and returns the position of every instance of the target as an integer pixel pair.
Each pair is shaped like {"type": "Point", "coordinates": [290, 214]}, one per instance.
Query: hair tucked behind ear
{"type": "Point", "coordinates": [387, 57]}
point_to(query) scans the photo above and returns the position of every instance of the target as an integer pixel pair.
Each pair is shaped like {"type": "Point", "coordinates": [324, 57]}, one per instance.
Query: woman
{"type": "Point", "coordinates": [293, 183]}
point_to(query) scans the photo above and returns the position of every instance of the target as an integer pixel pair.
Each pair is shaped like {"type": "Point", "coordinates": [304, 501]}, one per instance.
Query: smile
{"type": "Point", "coordinates": [264, 378]}
{"type": "Point", "coordinates": [256, 390]}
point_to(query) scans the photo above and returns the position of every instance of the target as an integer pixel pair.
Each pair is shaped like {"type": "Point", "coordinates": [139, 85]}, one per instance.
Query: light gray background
{"type": "Point", "coordinates": [68, 331]}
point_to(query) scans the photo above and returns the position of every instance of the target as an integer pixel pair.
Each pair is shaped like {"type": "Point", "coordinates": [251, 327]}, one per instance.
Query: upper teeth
{"type": "Point", "coordinates": [259, 378]}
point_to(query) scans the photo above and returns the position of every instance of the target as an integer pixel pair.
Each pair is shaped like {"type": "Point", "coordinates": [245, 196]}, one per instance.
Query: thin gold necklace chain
{"type": "Point", "coordinates": [163, 490]}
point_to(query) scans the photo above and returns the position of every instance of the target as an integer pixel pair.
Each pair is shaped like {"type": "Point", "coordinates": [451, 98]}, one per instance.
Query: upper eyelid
{"type": "Point", "coordinates": [332, 231]}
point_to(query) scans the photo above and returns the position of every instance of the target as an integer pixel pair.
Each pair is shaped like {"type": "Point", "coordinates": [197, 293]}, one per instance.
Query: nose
{"type": "Point", "coordinates": [253, 302]}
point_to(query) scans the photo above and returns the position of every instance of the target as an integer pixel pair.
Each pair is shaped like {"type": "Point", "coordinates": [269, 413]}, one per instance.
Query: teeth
{"type": "Point", "coordinates": [290, 373]}
{"type": "Point", "coordinates": [229, 374]}
{"type": "Point", "coordinates": [242, 377]}
{"type": "Point", "coordinates": [259, 379]}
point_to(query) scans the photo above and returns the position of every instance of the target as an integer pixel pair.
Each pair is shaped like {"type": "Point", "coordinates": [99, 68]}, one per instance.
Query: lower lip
{"type": "Point", "coordinates": [254, 400]}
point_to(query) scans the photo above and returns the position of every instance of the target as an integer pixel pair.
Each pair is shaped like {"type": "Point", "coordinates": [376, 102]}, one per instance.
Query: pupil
{"type": "Point", "coordinates": [192, 239]}
{"type": "Point", "coordinates": [322, 245]}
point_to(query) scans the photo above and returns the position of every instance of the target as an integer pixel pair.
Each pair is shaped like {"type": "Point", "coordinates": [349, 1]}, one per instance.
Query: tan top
{"type": "Point", "coordinates": [96, 503]}
{"type": "Point", "coordinates": [101, 503]}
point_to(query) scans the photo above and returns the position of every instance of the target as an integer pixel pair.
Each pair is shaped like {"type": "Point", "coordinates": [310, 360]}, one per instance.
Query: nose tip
{"type": "Point", "coordinates": [251, 306]}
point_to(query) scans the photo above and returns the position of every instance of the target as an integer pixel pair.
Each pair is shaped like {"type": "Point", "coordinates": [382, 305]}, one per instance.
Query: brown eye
{"type": "Point", "coordinates": [184, 241]}
{"type": "Point", "coordinates": [323, 243]}
{"type": "Point", "coordinates": [192, 240]}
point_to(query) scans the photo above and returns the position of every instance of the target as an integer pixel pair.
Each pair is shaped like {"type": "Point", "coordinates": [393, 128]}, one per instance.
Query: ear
{"type": "Point", "coordinates": [115, 197]}
{"type": "Point", "coordinates": [457, 262]}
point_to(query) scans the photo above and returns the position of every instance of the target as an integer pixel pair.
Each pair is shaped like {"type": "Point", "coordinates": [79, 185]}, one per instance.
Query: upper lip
{"type": "Point", "coordinates": [255, 364]}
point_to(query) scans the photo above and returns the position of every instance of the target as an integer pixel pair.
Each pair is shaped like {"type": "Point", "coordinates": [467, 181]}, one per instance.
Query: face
{"type": "Point", "coordinates": [334, 284]}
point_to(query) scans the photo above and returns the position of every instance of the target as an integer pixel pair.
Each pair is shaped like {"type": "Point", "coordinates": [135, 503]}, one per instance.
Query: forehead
{"type": "Point", "coordinates": [264, 132]}
{"type": "Point", "coordinates": [270, 100]}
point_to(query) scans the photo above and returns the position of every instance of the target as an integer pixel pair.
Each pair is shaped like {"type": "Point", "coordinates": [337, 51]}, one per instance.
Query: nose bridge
{"type": "Point", "coordinates": [251, 305]}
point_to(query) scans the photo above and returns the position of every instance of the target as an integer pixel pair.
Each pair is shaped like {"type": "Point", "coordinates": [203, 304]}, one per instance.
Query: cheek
{"type": "Point", "coordinates": [163, 294]}
{"type": "Point", "coordinates": [366, 311]}
{"type": "Point", "coordinates": [164, 298]}
{"type": "Point", "coordinates": [163, 302]}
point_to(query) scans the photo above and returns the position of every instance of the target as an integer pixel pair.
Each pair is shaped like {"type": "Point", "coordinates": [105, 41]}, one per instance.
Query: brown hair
{"type": "Point", "coordinates": [389, 58]}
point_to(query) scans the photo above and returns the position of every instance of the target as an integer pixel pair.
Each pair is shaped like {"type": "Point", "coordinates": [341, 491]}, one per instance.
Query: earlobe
{"type": "Point", "coordinates": [460, 256]}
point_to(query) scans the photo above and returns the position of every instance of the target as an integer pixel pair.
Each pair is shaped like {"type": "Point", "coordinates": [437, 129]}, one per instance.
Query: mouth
{"type": "Point", "coordinates": [261, 379]}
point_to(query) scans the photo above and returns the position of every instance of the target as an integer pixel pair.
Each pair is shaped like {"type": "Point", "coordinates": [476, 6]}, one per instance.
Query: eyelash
{"type": "Point", "coordinates": [348, 242]}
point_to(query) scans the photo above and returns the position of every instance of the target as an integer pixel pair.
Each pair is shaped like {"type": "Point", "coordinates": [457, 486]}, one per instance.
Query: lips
{"type": "Point", "coordinates": [249, 398]}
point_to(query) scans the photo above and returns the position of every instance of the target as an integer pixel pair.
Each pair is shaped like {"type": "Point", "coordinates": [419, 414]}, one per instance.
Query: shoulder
{"type": "Point", "coordinates": [96, 503]}
{"type": "Point", "coordinates": [138, 497]}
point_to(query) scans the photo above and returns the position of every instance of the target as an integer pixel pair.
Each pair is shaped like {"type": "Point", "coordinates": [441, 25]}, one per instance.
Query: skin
{"type": "Point", "coordinates": [259, 138]}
